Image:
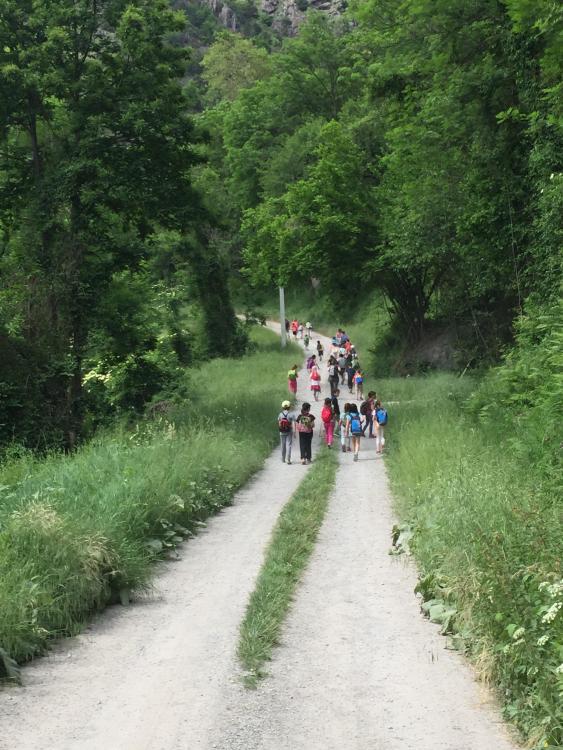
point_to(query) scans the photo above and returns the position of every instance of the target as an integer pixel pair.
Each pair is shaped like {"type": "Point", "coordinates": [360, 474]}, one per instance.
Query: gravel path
{"type": "Point", "coordinates": [359, 668]}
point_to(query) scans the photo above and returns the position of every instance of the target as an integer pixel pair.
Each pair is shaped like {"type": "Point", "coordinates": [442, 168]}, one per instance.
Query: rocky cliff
{"type": "Point", "coordinates": [286, 14]}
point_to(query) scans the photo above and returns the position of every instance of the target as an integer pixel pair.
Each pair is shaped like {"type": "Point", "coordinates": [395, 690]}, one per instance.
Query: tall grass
{"type": "Point", "coordinates": [77, 531]}
{"type": "Point", "coordinates": [488, 534]}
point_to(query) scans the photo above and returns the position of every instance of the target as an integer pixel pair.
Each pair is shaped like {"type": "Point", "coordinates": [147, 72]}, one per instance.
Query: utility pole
{"type": "Point", "coordinates": [282, 317]}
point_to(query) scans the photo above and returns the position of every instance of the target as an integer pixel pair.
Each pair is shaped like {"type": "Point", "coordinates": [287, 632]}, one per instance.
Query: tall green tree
{"type": "Point", "coordinates": [96, 154]}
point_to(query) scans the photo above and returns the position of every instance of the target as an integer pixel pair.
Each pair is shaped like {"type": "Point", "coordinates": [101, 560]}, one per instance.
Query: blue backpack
{"type": "Point", "coordinates": [381, 416]}
{"type": "Point", "coordinates": [356, 425]}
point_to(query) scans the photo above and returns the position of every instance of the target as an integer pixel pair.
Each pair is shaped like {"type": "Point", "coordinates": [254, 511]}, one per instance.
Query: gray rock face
{"type": "Point", "coordinates": [287, 15]}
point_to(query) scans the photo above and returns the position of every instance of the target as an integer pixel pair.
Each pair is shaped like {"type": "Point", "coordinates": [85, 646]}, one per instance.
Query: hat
{"type": "Point", "coordinates": [285, 404]}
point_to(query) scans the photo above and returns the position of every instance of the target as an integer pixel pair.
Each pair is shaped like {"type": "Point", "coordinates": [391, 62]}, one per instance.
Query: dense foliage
{"type": "Point", "coordinates": [99, 223]}
{"type": "Point", "coordinates": [417, 150]}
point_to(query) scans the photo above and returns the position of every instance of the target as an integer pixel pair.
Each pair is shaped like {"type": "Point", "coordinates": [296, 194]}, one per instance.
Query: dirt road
{"type": "Point", "coordinates": [359, 668]}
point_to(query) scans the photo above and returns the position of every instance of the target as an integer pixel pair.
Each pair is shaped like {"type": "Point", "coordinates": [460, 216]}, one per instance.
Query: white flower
{"type": "Point", "coordinates": [551, 613]}
{"type": "Point", "coordinates": [518, 633]}
{"type": "Point", "coordinates": [553, 589]}
{"type": "Point", "coordinates": [559, 669]}
{"type": "Point", "coordinates": [542, 640]}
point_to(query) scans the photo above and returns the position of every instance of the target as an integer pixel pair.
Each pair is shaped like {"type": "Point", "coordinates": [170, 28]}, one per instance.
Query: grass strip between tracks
{"type": "Point", "coordinates": [287, 555]}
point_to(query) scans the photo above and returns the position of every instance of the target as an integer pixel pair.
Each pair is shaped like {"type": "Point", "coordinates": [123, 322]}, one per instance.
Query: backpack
{"type": "Point", "coordinates": [364, 408]}
{"type": "Point", "coordinates": [381, 416]}
{"type": "Point", "coordinates": [332, 371]}
{"type": "Point", "coordinates": [356, 425]}
{"type": "Point", "coordinates": [359, 379]}
{"type": "Point", "coordinates": [292, 375]}
{"type": "Point", "coordinates": [309, 363]}
{"type": "Point", "coordinates": [284, 422]}
{"type": "Point", "coordinates": [305, 422]}
{"type": "Point", "coordinates": [315, 375]}
{"type": "Point", "coordinates": [326, 414]}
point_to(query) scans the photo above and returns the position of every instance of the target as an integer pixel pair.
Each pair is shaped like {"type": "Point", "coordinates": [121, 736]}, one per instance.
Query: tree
{"type": "Point", "coordinates": [95, 159]}
{"type": "Point", "coordinates": [319, 220]}
{"type": "Point", "coordinates": [231, 64]}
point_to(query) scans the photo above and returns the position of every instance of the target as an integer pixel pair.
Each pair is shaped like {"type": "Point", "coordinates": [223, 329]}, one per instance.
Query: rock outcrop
{"type": "Point", "coordinates": [286, 15]}
{"type": "Point", "coordinates": [289, 14]}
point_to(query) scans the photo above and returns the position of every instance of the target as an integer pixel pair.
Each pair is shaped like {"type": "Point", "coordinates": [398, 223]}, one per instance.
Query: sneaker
{"type": "Point", "coordinates": [343, 449]}
{"type": "Point", "coordinates": [289, 461]}
{"type": "Point", "coordinates": [355, 456]}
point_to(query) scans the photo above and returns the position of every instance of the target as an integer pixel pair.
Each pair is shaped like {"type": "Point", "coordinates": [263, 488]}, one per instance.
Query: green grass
{"type": "Point", "coordinates": [488, 531]}
{"type": "Point", "coordinates": [75, 531]}
{"type": "Point", "coordinates": [287, 555]}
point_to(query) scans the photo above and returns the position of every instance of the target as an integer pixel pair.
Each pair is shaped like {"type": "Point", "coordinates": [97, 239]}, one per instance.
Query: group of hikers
{"type": "Point", "coordinates": [299, 331]}
{"type": "Point", "coordinates": [350, 424]}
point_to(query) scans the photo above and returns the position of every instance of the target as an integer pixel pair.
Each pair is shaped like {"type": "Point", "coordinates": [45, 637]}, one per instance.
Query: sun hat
{"type": "Point", "coordinates": [285, 404]}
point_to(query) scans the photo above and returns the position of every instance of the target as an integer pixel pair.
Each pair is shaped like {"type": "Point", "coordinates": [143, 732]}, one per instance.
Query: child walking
{"type": "Point", "coordinates": [285, 425]}
{"type": "Point", "coordinates": [359, 383]}
{"type": "Point", "coordinates": [292, 380]}
{"type": "Point", "coordinates": [305, 426]}
{"type": "Point", "coordinates": [320, 350]}
{"type": "Point", "coordinates": [381, 418]}
{"type": "Point", "coordinates": [315, 379]}
{"type": "Point", "coordinates": [327, 416]}
{"type": "Point", "coordinates": [343, 426]}
{"type": "Point", "coordinates": [355, 429]}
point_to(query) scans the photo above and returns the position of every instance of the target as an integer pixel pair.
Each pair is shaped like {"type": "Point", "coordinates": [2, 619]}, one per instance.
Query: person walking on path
{"type": "Point", "coordinates": [366, 410]}
{"type": "Point", "coordinates": [343, 426]}
{"type": "Point", "coordinates": [320, 350]}
{"type": "Point", "coordinates": [381, 418]}
{"type": "Point", "coordinates": [327, 417]}
{"type": "Point", "coordinates": [333, 377]}
{"type": "Point", "coordinates": [342, 365]}
{"type": "Point", "coordinates": [300, 329]}
{"type": "Point", "coordinates": [355, 429]}
{"type": "Point", "coordinates": [286, 422]}
{"type": "Point", "coordinates": [292, 380]}
{"type": "Point", "coordinates": [305, 424]}
{"type": "Point", "coordinates": [294, 327]}
{"type": "Point", "coordinates": [309, 328]}
{"type": "Point", "coordinates": [350, 372]}
{"type": "Point", "coordinates": [315, 379]}
{"type": "Point", "coordinates": [359, 383]}
{"type": "Point", "coordinates": [335, 407]}
{"type": "Point", "coordinates": [306, 340]}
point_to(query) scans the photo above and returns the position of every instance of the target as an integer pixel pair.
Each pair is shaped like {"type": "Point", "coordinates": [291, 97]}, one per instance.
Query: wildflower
{"type": "Point", "coordinates": [551, 613]}
{"type": "Point", "coordinates": [559, 669]}
{"type": "Point", "coordinates": [542, 640]}
{"type": "Point", "coordinates": [518, 633]}
{"type": "Point", "coordinates": [553, 589]}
